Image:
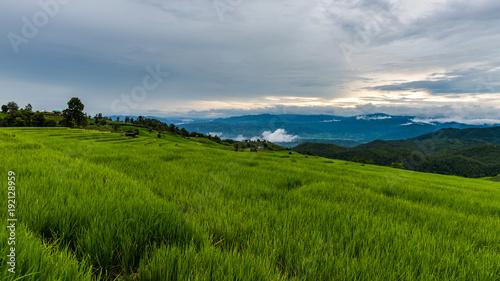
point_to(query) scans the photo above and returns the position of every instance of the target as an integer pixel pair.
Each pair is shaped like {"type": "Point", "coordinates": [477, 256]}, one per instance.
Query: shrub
{"type": "Point", "coordinates": [397, 165]}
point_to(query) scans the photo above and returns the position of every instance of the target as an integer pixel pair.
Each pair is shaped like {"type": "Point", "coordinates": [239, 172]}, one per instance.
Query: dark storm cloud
{"type": "Point", "coordinates": [245, 51]}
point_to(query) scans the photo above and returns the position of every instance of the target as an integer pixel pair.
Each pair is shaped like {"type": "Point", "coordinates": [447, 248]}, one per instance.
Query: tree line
{"type": "Point", "coordinates": [16, 117]}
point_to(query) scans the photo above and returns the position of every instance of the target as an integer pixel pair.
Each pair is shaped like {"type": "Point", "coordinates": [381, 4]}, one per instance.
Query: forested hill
{"type": "Point", "coordinates": [473, 152]}
{"type": "Point", "coordinates": [469, 136]}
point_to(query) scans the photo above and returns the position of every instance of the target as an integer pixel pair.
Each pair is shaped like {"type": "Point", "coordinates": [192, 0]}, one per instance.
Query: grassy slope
{"type": "Point", "coordinates": [173, 209]}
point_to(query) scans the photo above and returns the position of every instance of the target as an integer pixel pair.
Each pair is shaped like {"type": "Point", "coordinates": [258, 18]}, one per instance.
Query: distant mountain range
{"type": "Point", "coordinates": [168, 120]}
{"type": "Point", "coordinates": [345, 131]}
{"type": "Point", "coordinates": [473, 152]}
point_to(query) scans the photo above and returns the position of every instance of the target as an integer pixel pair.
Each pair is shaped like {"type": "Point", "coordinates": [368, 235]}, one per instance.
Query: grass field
{"type": "Point", "coordinates": [100, 206]}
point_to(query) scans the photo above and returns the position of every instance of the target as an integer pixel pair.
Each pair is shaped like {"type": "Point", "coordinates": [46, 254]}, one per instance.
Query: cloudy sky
{"type": "Point", "coordinates": [232, 57]}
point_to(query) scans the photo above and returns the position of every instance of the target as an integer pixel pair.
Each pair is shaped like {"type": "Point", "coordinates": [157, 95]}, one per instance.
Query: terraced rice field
{"type": "Point", "coordinates": [100, 206]}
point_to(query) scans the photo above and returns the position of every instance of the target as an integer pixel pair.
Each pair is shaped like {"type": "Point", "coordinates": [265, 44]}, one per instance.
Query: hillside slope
{"type": "Point", "coordinates": [95, 205]}
{"type": "Point", "coordinates": [474, 152]}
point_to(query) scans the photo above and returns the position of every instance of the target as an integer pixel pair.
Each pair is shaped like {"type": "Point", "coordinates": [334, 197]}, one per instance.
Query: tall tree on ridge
{"type": "Point", "coordinates": [73, 115]}
{"type": "Point", "coordinates": [12, 106]}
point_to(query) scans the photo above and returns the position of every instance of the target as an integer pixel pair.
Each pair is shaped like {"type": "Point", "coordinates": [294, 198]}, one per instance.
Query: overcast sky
{"type": "Point", "coordinates": [232, 57]}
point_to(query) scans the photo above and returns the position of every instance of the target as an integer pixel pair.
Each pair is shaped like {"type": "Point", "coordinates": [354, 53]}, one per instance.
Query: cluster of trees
{"type": "Point", "coordinates": [24, 117]}
{"type": "Point", "coordinates": [101, 120]}
{"type": "Point", "coordinates": [252, 145]}
{"type": "Point", "coordinates": [12, 106]}
{"type": "Point", "coordinates": [161, 127]}
{"type": "Point", "coordinates": [73, 116]}
{"type": "Point", "coordinates": [362, 160]}
{"type": "Point", "coordinates": [155, 125]}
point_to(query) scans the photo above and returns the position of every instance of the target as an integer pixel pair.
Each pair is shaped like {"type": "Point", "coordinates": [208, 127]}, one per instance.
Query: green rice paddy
{"type": "Point", "coordinates": [101, 206]}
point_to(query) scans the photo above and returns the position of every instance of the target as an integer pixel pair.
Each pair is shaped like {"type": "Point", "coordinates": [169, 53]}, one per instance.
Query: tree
{"type": "Point", "coordinates": [96, 119]}
{"type": "Point", "coordinates": [39, 120]}
{"type": "Point", "coordinates": [361, 160]}
{"type": "Point", "coordinates": [171, 128]}
{"type": "Point", "coordinates": [184, 132]}
{"type": "Point", "coordinates": [5, 108]}
{"type": "Point", "coordinates": [216, 139]}
{"type": "Point", "coordinates": [14, 119]}
{"type": "Point", "coordinates": [50, 123]}
{"type": "Point", "coordinates": [73, 115]}
{"type": "Point", "coordinates": [12, 106]}
{"type": "Point", "coordinates": [27, 117]}
{"type": "Point", "coordinates": [29, 107]}
{"type": "Point", "coordinates": [397, 165]}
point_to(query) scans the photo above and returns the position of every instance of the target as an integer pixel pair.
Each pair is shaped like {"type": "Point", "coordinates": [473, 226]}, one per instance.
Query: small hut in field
{"type": "Point", "coordinates": [131, 133]}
